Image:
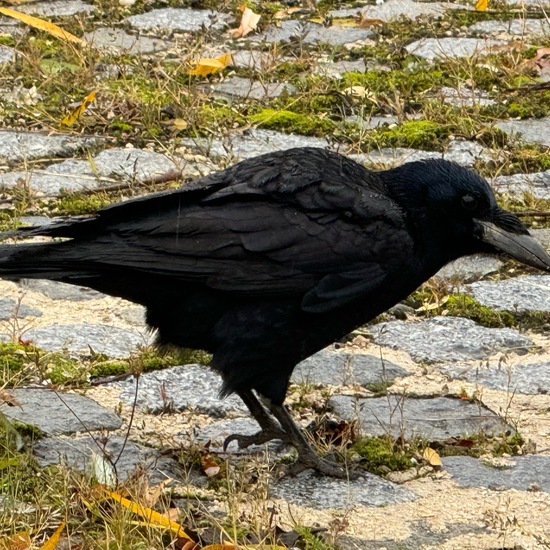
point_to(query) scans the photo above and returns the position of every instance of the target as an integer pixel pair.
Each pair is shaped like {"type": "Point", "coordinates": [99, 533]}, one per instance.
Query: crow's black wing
{"type": "Point", "coordinates": [274, 225]}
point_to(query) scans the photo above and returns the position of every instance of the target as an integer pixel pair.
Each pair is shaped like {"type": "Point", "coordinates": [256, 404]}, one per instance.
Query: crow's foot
{"type": "Point", "coordinates": [263, 436]}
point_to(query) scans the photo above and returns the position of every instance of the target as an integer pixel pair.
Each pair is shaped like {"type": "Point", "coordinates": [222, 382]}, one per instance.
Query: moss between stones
{"type": "Point", "coordinates": [422, 134]}
{"type": "Point", "coordinates": [292, 122]}
{"type": "Point", "coordinates": [380, 455]}
{"type": "Point", "coordinates": [462, 305]}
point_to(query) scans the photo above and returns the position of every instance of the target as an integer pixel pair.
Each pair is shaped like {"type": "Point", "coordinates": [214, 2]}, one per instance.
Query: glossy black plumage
{"type": "Point", "coordinates": [276, 257]}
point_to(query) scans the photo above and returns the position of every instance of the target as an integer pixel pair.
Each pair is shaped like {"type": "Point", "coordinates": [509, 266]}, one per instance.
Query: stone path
{"type": "Point", "coordinates": [431, 366]}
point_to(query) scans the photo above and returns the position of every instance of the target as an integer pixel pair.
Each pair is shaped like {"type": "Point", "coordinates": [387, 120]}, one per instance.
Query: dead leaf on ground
{"type": "Point", "coordinates": [42, 25]}
{"type": "Point", "coordinates": [249, 22]}
{"type": "Point", "coordinates": [482, 5]}
{"type": "Point", "coordinates": [75, 114]}
{"type": "Point", "coordinates": [6, 397]}
{"type": "Point", "coordinates": [51, 543]}
{"type": "Point", "coordinates": [206, 65]}
{"type": "Point", "coordinates": [210, 465]}
{"type": "Point", "coordinates": [432, 457]}
{"type": "Point", "coordinates": [541, 63]}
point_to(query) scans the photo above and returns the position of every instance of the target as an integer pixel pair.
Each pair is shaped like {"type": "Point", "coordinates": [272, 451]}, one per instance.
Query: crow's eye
{"type": "Point", "coordinates": [469, 202]}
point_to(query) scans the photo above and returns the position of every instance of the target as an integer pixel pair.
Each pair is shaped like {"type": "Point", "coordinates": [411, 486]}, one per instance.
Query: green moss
{"type": "Point", "coordinates": [78, 204]}
{"type": "Point", "coordinates": [405, 81]}
{"type": "Point", "coordinates": [62, 369]}
{"type": "Point", "coordinates": [529, 106]}
{"type": "Point", "coordinates": [109, 368]}
{"type": "Point", "coordinates": [311, 541]}
{"type": "Point", "coordinates": [292, 122]}
{"type": "Point", "coordinates": [422, 134]}
{"type": "Point", "coordinates": [462, 305]}
{"type": "Point", "coordinates": [380, 455]}
{"type": "Point", "coordinates": [13, 358]}
{"type": "Point", "coordinates": [154, 359]}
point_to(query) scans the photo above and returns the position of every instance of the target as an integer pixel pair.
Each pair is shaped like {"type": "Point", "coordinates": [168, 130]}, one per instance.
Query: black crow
{"type": "Point", "coordinates": [267, 262]}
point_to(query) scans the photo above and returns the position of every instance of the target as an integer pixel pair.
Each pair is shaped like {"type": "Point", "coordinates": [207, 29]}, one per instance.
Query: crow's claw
{"type": "Point", "coordinates": [259, 438]}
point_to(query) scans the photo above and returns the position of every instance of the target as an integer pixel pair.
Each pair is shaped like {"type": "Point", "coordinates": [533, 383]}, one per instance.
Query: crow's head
{"type": "Point", "coordinates": [454, 208]}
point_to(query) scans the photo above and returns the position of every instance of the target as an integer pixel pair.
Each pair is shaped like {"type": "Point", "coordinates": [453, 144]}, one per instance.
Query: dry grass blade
{"type": "Point", "coordinates": [42, 25]}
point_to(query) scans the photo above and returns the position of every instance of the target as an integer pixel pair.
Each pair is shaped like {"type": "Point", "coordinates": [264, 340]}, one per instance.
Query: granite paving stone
{"type": "Point", "coordinates": [463, 152]}
{"type": "Point", "coordinates": [514, 27]}
{"type": "Point", "coordinates": [180, 19]}
{"type": "Point", "coordinates": [61, 291]}
{"type": "Point", "coordinates": [244, 88]}
{"type": "Point", "coordinates": [322, 493]}
{"type": "Point", "coordinates": [336, 69]}
{"type": "Point", "coordinates": [449, 48]}
{"type": "Point", "coordinates": [395, 9]}
{"type": "Point", "coordinates": [469, 268]}
{"type": "Point", "coordinates": [434, 418]}
{"type": "Point", "coordinates": [313, 33]}
{"type": "Point", "coordinates": [334, 367]}
{"type": "Point", "coordinates": [534, 183]}
{"type": "Point", "coordinates": [58, 412]}
{"type": "Point", "coordinates": [77, 175]}
{"type": "Point", "coordinates": [527, 378]}
{"type": "Point", "coordinates": [254, 59]}
{"type": "Point", "coordinates": [18, 145]}
{"type": "Point", "coordinates": [56, 8]}
{"type": "Point", "coordinates": [88, 337]}
{"type": "Point", "coordinates": [521, 294]}
{"type": "Point", "coordinates": [524, 473]}
{"type": "Point", "coordinates": [11, 309]}
{"type": "Point", "coordinates": [131, 458]}
{"type": "Point", "coordinates": [244, 145]}
{"type": "Point", "coordinates": [533, 130]}
{"type": "Point", "coordinates": [443, 339]}
{"type": "Point", "coordinates": [12, 27]}
{"type": "Point", "coordinates": [7, 54]}
{"type": "Point", "coordinates": [464, 97]}
{"type": "Point", "coordinates": [180, 388]}
{"type": "Point", "coordinates": [119, 41]}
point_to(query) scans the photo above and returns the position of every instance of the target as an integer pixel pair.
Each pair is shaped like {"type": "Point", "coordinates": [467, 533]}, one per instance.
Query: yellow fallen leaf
{"type": "Point", "coordinates": [51, 543]}
{"type": "Point", "coordinates": [249, 22]}
{"type": "Point", "coordinates": [151, 516]}
{"type": "Point", "coordinates": [431, 457]}
{"type": "Point", "coordinates": [42, 25]}
{"type": "Point", "coordinates": [73, 116]}
{"type": "Point", "coordinates": [482, 5]}
{"type": "Point", "coordinates": [206, 66]}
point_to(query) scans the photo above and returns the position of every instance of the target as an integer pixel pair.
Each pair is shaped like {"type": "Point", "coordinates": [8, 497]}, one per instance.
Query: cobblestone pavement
{"type": "Point", "coordinates": [429, 363]}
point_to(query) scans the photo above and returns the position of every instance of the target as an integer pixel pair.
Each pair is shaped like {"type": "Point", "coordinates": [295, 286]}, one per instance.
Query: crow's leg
{"type": "Point", "coordinates": [270, 429]}
{"type": "Point", "coordinates": [307, 456]}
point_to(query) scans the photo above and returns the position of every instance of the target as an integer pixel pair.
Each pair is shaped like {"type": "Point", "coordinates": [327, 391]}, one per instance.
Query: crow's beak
{"type": "Point", "coordinates": [521, 246]}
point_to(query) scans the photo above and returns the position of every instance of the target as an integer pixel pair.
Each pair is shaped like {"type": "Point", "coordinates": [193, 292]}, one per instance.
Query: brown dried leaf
{"type": "Point", "coordinates": [6, 397]}
{"type": "Point", "coordinates": [249, 22]}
